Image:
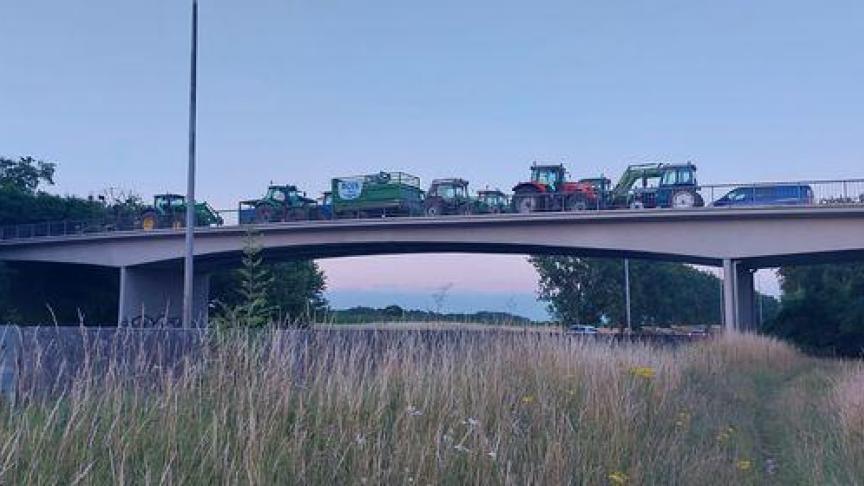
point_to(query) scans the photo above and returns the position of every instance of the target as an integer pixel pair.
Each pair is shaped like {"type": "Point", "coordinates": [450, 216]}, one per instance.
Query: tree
{"type": "Point", "coordinates": [25, 174]}
{"type": "Point", "coordinates": [591, 291]}
{"type": "Point", "coordinates": [297, 291]}
{"type": "Point", "coordinates": [259, 293]}
{"type": "Point", "coordinates": [822, 308]}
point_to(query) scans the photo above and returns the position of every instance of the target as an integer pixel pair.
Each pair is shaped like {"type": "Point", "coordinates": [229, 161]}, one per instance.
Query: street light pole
{"type": "Point", "coordinates": [627, 293]}
{"type": "Point", "coordinates": [189, 261]}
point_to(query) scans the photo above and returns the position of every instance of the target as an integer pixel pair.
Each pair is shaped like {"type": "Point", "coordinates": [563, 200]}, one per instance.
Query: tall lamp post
{"type": "Point", "coordinates": [627, 294]}
{"type": "Point", "coordinates": [189, 260]}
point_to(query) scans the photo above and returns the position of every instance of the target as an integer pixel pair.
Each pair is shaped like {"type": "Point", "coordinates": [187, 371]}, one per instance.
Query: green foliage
{"type": "Point", "coordinates": [287, 292]}
{"type": "Point", "coordinates": [297, 290]}
{"type": "Point", "coordinates": [822, 308]}
{"type": "Point", "coordinates": [591, 291]}
{"type": "Point", "coordinates": [25, 174]}
{"type": "Point", "coordinates": [252, 307]}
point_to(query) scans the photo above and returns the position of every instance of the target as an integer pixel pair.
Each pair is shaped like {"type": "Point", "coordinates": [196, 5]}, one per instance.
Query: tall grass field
{"type": "Point", "coordinates": [474, 408]}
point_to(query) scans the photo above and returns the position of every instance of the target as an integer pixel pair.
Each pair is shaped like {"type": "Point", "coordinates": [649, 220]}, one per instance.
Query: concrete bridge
{"type": "Point", "coordinates": [149, 263]}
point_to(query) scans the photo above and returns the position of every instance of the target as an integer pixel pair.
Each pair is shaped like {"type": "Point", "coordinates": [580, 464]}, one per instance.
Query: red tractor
{"type": "Point", "coordinates": [549, 190]}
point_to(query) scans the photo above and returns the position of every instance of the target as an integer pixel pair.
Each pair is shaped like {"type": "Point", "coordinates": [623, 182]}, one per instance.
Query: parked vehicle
{"type": "Point", "coordinates": [377, 195]}
{"type": "Point", "coordinates": [449, 196]}
{"type": "Point", "coordinates": [169, 211]}
{"type": "Point", "coordinates": [280, 203]}
{"type": "Point", "coordinates": [549, 190]}
{"type": "Point", "coordinates": [657, 186]}
{"type": "Point", "coordinates": [768, 195]}
{"type": "Point", "coordinates": [582, 330]}
{"type": "Point", "coordinates": [492, 201]}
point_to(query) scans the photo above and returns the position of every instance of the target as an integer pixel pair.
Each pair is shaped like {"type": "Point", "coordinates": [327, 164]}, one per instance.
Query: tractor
{"type": "Point", "coordinates": [492, 201]}
{"type": "Point", "coordinates": [169, 211]}
{"type": "Point", "coordinates": [281, 203]}
{"type": "Point", "coordinates": [449, 196]}
{"type": "Point", "coordinates": [657, 186]}
{"type": "Point", "coordinates": [549, 190]}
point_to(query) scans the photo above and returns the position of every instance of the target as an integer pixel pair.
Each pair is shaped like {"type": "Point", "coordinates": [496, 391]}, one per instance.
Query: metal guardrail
{"type": "Point", "coordinates": [848, 192]}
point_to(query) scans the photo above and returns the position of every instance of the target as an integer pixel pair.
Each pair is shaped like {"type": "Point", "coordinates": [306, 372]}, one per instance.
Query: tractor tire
{"type": "Point", "coordinates": [434, 211]}
{"type": "Point", "coordinates": [576, 203]}
{"type": "Point", "coordinates": [636, 205]}
{"type": "Point", "coordinates": [149, 221]}
{"type": "Point", "coordinates": [525, 204]}
{"type": "Point", "coordinates": [683, 199]}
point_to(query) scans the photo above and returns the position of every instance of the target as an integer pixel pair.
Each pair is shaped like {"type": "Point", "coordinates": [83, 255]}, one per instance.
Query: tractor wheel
{"type": "Point", "coordinates": [636, 205]}
{"type": "Point", "coordinates": [434, 211]}
{"type": "Point", "coordinates": [576, 203]}
{"type": "Point", "coordinates": [264, 213]}
{"type": "Point", "coordinates": [683, 199]}
{"type": "Point", "coordinates": [526, 204]}
{"type": "Point", "coordinates": [149, 221]}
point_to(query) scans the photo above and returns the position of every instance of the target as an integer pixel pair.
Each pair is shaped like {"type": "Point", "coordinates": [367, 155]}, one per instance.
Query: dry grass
{"type": "Point", "coordinates": [467, 409]}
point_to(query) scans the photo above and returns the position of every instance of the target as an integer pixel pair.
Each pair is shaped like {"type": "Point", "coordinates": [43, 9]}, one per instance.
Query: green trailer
{"type": "Point", "coordinates": [377, 195]}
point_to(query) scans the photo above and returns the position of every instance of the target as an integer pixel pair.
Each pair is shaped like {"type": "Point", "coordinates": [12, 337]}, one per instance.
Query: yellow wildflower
{"type": "Point", "coordinates": [528, 399]}
{"type": "Point", "coordinates": [683, 419]}
{"type": "Point", "coordinates": [744, 464]}
{"type": "Point", "coordinates": [618, 478]}
{"type": "Point", "coordinates": [644, 372]}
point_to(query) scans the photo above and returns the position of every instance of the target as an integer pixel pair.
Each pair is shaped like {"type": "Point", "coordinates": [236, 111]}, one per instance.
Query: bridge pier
{"type": "Point", "coordinates": [157, 293]}
{"type": "Point", "coordinates": [739, 296]}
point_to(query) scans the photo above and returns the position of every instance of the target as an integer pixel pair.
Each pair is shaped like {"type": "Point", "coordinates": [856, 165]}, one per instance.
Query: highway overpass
{"type": "Point", "coordinates": [740, 241]}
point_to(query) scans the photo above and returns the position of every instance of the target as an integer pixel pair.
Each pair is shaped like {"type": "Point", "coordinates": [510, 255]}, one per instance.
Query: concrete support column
{"type": "Point", "coordinates": [745, 298]}
{"type": "Point", "coordinates": [729, 314]}
{"type": "Point", "coordinates": [739, 297]}
{"type": "Point", "coordinates": [155, 296]}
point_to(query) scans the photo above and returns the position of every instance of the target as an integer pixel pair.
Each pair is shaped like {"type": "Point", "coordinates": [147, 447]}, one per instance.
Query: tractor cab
{"type": "Point", "coordinates": [287, 195]}
{"type": "Point", "coordinates": [678, 175]}
{"type": "Point", "coordinates": [168, 202]}
{"type": "Point", "coordinates": [448, 189]}
{"type": "Point", "coordinates": [551, 176]}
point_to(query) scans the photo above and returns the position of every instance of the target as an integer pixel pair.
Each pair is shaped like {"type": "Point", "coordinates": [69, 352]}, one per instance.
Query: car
{"type": "Point", "coordinates": [582, 329]}
{"type": "Point", "coordinates": [698, 334]}
{"type": "Point", "coordinates": [768, 195]}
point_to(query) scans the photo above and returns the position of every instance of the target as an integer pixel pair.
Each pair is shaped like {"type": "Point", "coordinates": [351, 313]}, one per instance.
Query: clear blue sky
{"type": "Point", "coordinates": [301, 91]}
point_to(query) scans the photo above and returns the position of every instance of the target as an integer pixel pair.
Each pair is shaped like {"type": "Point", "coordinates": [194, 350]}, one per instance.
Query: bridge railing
{"type": "Point", "coordinates": [841, 192]}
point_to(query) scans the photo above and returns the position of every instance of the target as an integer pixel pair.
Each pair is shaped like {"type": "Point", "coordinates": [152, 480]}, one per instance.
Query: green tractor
{"type": "Point", "coordinates": [281, 203]}
{"type": "Point", "coordinates": [449, 196]}
{"type": "Point", "coordinates": [492, 201]}
{"type": "Point", "coordinates": [169, 211]}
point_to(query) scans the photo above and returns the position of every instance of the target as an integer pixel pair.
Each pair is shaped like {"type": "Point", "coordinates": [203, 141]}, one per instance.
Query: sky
{"type": "Point", "coordinates": [302, 91]}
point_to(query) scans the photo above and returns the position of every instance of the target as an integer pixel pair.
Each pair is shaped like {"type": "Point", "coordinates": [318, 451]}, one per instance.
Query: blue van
{"type": "Point", "coordinates": [768, 195]}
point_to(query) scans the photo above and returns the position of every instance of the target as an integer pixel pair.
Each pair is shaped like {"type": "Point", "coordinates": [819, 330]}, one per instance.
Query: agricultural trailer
{"type": "Point", "coordinates": [377, 195]}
